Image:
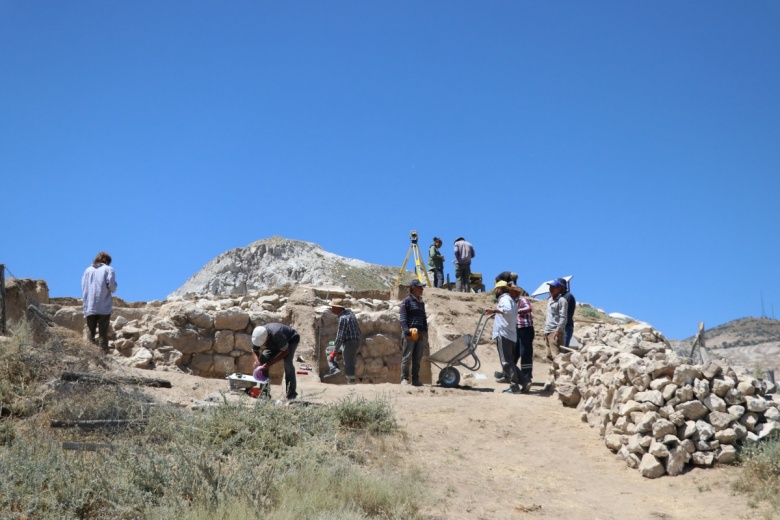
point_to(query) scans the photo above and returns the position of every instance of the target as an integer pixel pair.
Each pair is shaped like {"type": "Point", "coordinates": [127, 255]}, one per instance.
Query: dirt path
{"type": "Point", "coordinates": [490, 455]}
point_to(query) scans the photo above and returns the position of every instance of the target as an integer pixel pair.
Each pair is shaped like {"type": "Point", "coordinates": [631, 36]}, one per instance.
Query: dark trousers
{"type": "Point", "coordinates": [350, 351]}
{"type": "Point", "coordinates": [568, 332]}
{"type": "Point", "coordinates": [507, 354]}
{"type": "Point", "coordinates": [413, 353]}
{"type": "Point", "coordinates": [290, 380]}
{"type": "Point", "coordinates": [100, 323]}
{"type": "Point", "coordinates": [525, 341]}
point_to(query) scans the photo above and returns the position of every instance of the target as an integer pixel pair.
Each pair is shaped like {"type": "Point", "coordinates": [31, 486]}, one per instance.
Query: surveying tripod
{"type": "Point", "coordinates": [419, 266]}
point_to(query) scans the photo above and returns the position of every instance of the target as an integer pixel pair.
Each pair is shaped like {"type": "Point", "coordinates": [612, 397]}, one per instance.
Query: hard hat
{"type": "Point", "coordinates": [259, 335]}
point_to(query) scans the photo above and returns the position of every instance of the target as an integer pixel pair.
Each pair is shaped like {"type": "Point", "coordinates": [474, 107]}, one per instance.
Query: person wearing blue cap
{"type": "Point", "coordinates": [555, 321]}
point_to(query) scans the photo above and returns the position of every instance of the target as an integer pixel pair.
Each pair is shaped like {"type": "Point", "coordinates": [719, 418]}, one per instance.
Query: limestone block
{"type": "Point", "coordinates": [663, 427]}
{"type": "Point", "coordinates": [231, 319]}
{"type": "Point", "coordinates": [130, 332]}
{"type": "Point", "coordinates": [701, 388]}
{"type": "Point", "coordinates": [740, 430]}
{"type": "Point", "coordinates": [167, 356]}
{"type": "Point", "coordinates": [726, 436]}
{"type": "Point", "coordinates": [201, 364]}
{"type": "Point", "coordinates": [722, 384]}
{"type": "Point", "coordinates": [186, 341]}
{"type": "Point", "coordinates": [688, 445]}
{"type": "Point", "coordinates": [568, 394]}
{"type": "Point", "coordinates": [703, 458]}
{"type": "Point", "coordinates": [772, 414]}
{"type": "Point", "coordinates": [686, 430]}
{"type": "Point", "coordinates": [704, 431]}
{"type": "Point", "coordinates": [755, 404]}
{"type": "Point", "coordinates": [712, 370]}
{"type": "Point", "coordinates": [675, 462]}
{"type": "Point", "coordinates": [686, 375]}
{"type": "Point", "coordinates": [625, 394]}
{"type": "Point", "coordinates": [652, 396]}
{"type": "Point", "coordinates": [714, 403]}
{"type": "Point", "coordinates": [632, 460]}
{"type": "Point", "coordinates": [244, 363]}
{"type": "Point", "coordinates": [734, 396]}
{"type": "Point", "coordinates": [379, 345]}
{"type": "Point", "coordinates": [669, 391]}
{"type": "Point", "coordinates": [684, 393]}
{"type": "Point", "coordinates": [147, 341]}
{"type": "Point", "coordinates": [119, 322]}
{"type": "Point", "coordinates": [242, 342]}
{"type": "Point", "coordinates": [224, 341]}
{"type": "Point", "coordinates": [692, 410]}
{"type": "Point", "coordinates": [670, 440]}
{"type": "Point", "coordinates": [726, 455]}
{"type": "Point", "coordinates": [645, 424]}
{"type": "Point", "coordinates": [651, 467]}
{"type": "Point", "coordinates": [749, 420]}
{"type": "Point", "coordinates": [736, 410]}
{"type": "Point", "coordinates": [223, 365]}
{"type": "Point", "coordinates": [721, 420]}
{"type": "Point", "coordinates": [199, 317]}
{"type": "Point", "coordinates": [641, 382]}
{"type": "Point", "coordinates": [139, 358]}
{"type": "Point", "coordinates": [678, 418]}
{"type": "Point", "coordinates": [629, 407]}
{"type": "Point", "coordinates": [658, 450]}
{"type": "Point", "coordinates": [746, 387]}
{"type": "Point", "coordinates": [634, 446]}
{"type": "Point", "coordinates": [614, 441]}
{"type": "Point", "coordinates": [764, 430]}
{"type": "Point", "coordinates": [660, 383]}
{"type": "Point", "coordinates": [123, 344]}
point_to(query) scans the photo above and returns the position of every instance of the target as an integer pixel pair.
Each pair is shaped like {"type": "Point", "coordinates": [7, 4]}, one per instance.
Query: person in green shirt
{"type": "Point", "coordinates": [436, 262]}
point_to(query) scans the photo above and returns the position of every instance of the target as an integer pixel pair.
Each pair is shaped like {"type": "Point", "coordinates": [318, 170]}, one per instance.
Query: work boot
{"type": "Point", "coordinates": [502, 379]}
{"type": "Point", "coordinates": [416, 383]}
{"type": "Point", "coordinates": [404, 382]}
{"type": "Point", "coordinates": [351, 380]}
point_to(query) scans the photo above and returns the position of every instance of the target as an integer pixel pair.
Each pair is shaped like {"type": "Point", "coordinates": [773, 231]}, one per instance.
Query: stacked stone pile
{"type": "Point", "coordinates": [655, 409]}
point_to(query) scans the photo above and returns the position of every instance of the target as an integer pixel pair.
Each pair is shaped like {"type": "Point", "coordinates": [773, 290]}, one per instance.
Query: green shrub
{"type": "Point", "coordinates": [760, 476]}
{"type": "Point", "coordinates": [359, 413]}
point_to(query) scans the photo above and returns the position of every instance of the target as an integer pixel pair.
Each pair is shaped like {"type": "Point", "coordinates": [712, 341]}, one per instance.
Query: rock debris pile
{"type": "Point", "coordinates": [656, 410]}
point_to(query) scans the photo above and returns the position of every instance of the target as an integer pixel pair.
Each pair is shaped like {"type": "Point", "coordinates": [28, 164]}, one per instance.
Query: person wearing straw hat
{"type": "Point", "coordinates": [505, 335]}
{"type": "Point", "coordinates": [347, 340]}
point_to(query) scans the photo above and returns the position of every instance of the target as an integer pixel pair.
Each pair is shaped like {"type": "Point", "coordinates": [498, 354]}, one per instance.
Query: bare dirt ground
{"type": "Point", "coordinates": [490, 455]}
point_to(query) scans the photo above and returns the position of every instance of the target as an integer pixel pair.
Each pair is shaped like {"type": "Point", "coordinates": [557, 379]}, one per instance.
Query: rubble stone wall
{"type": "Point", "coordinates": [656, 410]}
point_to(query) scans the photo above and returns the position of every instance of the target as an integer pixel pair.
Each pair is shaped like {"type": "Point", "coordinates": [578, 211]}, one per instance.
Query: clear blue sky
{"type": "Point", "coordinates": [634, 145]}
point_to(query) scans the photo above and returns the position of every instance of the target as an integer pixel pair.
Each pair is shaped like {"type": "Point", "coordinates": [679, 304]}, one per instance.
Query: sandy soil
{"type": "Point", "coordinates": [490, 455]}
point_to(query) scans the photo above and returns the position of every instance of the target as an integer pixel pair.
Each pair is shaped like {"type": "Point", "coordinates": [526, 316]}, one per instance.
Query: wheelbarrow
{"type": "Point", "coordinates": [456, 352]}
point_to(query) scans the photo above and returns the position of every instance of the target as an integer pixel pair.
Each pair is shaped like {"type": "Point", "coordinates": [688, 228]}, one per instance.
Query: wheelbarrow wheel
{"type": "Point", "coordinates": [449, 377]}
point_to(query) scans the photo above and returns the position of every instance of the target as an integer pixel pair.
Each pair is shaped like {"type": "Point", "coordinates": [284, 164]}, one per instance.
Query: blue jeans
{"type": "Point", "coordinates": [438, 277]}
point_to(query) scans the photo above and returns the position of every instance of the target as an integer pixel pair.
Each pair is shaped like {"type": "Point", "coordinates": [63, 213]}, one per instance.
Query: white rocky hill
{"type": "Point", "coordinates": [277, 262]}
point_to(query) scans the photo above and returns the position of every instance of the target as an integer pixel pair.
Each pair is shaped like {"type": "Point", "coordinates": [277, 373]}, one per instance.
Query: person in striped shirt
{"type": "Point", "coordinates": [347, 339]}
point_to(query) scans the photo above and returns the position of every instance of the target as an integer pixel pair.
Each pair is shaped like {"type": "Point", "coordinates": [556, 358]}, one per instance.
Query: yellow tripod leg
{"type": "Point", "coordinates": [403, 267]}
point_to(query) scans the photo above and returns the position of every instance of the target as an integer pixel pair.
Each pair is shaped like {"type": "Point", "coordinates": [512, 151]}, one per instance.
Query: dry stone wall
{"type": "Point", "coordinates": [211, 336]}
{"type": "Point", "coordinates": [657, 411]}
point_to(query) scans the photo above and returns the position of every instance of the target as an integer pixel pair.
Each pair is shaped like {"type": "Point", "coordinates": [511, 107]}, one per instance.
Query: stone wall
{"type": "Point", "coordinates": [211, 336]}
{"type": "Point", "coordinates": [379, 357]}
{"type": "Point", "coordinates": [656, 410]}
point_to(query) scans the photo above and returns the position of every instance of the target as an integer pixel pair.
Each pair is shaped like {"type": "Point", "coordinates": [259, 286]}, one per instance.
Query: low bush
{"type": "Point", "coordinates": [760, 477]}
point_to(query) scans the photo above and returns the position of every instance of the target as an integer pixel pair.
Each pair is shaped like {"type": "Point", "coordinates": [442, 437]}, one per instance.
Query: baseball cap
{"type": "Point", "coordinates": [416, 283]}
{"type": "Point", "coordinates": [556, 283]}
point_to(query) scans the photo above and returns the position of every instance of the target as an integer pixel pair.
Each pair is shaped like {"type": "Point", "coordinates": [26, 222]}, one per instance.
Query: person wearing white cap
{"type": "Point", "coordinates": [347, 339]}
{"type": "Point", "coordinates": [272, 343]}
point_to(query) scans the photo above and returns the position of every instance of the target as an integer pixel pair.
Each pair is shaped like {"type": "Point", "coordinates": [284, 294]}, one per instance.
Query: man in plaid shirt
{"type": "Point", "coordinates": [347, 340]}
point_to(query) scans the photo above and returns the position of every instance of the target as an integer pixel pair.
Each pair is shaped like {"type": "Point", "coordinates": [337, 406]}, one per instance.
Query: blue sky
{"type": "Point", "coordinates": [634, 145]}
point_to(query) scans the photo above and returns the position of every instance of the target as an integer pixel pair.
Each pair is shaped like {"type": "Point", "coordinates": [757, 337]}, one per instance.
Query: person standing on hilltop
{"type": "Point", "coordinates": [555, 321]}
{"type": "Point", "coordinates": [272, 343]}
{"type": "Point", "coordinates": [414, 324]}
{"type": "Point", "coordinates": [347, 339]}
{"type": "Point", "coordinates": [571, 306]}
{"type": "Point", "coordinates": [97, 284]}
{"type": "Point", "coordinates": [436, 263]}
{"type": "Point", "coordinates": [508, 277]}
{"type": "Point", "coordinates": [464, 252]}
